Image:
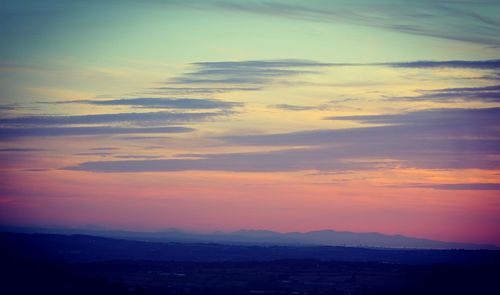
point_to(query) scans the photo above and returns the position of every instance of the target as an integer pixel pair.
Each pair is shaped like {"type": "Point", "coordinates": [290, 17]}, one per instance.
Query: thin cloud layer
{"type": "Point", "coordinates": [10, 133]}
{"type": "Point", "coordinates": [430, 139]}
{"type": "Point", "coordinates": [484, 118]}
{"type": "Point", "coordinates": [160, 103]}
{"type": "Point", "coordinates": [249, 72]}
{"type": "Point", "coordinates": [291, 107]}
{"type": "Point", "coordinates": [466, 21]}
{"type": "Point", "coordinates": [493, 64]}
{"type": "Point", "coordinates": [255, 74]}
{"type": "Point", "coordinates": [139, 118]}
{"type": "Point", "coordinates": [278, 161]}
{"type": "Point", "coordinates": [452, 20]}
{"type": "Point", "coordinates": [20, 150]}
{"type": "Point", "coordinates": [488, 94]}
{"type": "Point", "coordinates": [462, 186]}
{"type": "Point", "coordinates": [200, 90]}
{"type": "Point", "coordinates": [436, 124]}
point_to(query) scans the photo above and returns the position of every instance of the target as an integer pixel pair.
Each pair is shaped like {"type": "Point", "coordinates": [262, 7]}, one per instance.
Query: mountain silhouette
{"type": "Point", "coordinates": [266, 237]}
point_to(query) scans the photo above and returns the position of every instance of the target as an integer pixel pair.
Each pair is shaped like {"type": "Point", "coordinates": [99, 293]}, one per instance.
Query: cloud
{"type": "Point", "coordinates": [8, 133]}
{"type": "Point", "coordinates": [482, 94]}
{"type": "Point", "coordinates": [429, 139]}
{"type": "Point", "coordinates": [284, 160]}
{"type": "Point", "coordinates": [154, 138]}
{"type": "Point", "coordinates": [20, 150]}
{"type": "Point", "coordinates": [37, 169]}
{"type": "Point", "coordinates": [254, 74]}
{"type": "Point", "coordinates": [462, 186]}
{"type": "Point", "coordinates": [104, 149]}
{"type": "Point", "coordinates": [251, 72]}
{"type": "Point", "coordinates": [462, 64]}
{"type": "Point", "coordinates": [156, 103]}
{"type": "Point", "coordinates": [289, 107]}
{"type": "Point", "coordinates": [473, 22]}
{"type": "Point", "coordinates": [468, 21]}
{"type": "Point", "coordinates": [7, 107]}
{"type": "Point", "coordinates": [488, 64]}
{"type": "Point", "coordinates": [136, 157]}
{"type": "Point", "coordinates": [140, 118]}
{"type": "Point", "coordinates": [201, 90]}
{"type": "Point", "coordinates": [486, 119]}
{"type": "Point", "coordinates": [251, 75]}
{"type": "Point", "coordinates": [222, 66]}
{"type": "Point", "coordinates": [102, 154]}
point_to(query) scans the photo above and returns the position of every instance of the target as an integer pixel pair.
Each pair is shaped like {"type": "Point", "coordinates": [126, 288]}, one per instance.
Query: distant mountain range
{"type": "Point", "coordinates": [86, 248]}
{"type": "Point", "coordinates": [265, 237]}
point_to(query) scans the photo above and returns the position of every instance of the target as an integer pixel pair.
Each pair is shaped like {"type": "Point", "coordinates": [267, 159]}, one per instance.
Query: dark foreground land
{"type": "Point", "coordinates": [50, 264]}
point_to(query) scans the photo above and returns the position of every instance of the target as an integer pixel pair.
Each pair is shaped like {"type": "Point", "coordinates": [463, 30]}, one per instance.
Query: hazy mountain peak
{"type": "Point", "coordinates": [254, 232]}
{"type": "Point", "coordinates": [171, 230]}
{"type": "Point", "coordinates": [325, 237]}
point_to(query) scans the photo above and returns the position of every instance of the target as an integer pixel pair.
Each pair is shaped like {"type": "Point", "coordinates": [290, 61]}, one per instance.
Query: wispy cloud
{"type": "Point", "coordinates": [461, 186]}
{"type": "Point", "coordinates": [136, 156]}
{"type": "Point", "coordinates": [102, 154]}
{"type": "Point", "coordinates": [473, 22]}
{"type": "Point", "coordinates": [139, 118]}
{"type": "Point", "coordinates": [482, 94]}
{"type": "Point", "coordinates": [452, 118]}
{"type": "Point", "coordinates": [462, 64]}
{"type": "Point", "coordinates": [104, 149]}
{"type": "Point", "coordinates": [290, 107]}
{"type": "Point", "coordinates": [255, 74]}
{"type": "Point", "coordinates": [431, 123]}
{"type": "Point", "coordinates": [8, 133]}
{"type": "Point", "coordinates": [159, 103]}
{"type": "Point", "coordinates": [20, 150]}
{"type": "Point", "coordinates": [284, 160]}
{"type": "Point", "coordinates": [431, 139]}
{"type": "Point", "coordinates": [488, 64]}
{"type": "Point", "coordinates": [7, 108]}
{"type": "Point", "coordinates": [200, 90]}
{"type": "Point", "coordinates": [468, 21]}
{"type": "Point", "coordinates": [249, 72]}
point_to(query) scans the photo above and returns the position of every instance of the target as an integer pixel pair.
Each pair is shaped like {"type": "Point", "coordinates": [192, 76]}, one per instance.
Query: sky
{"type": "Point", "coordinates": [363, 115]}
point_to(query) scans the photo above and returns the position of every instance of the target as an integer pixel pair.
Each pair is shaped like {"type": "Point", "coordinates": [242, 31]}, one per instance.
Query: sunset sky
{"type": "Point", "coordinates": [353, 115]}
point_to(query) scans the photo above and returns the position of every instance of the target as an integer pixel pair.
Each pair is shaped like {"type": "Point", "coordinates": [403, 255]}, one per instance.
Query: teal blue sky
{"type": "Point", "coordinates": [49, 35]}
{"type": "Point", "coordinates": [284, 115]}
{"type": "Point", "coordinates": [89, 30]}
